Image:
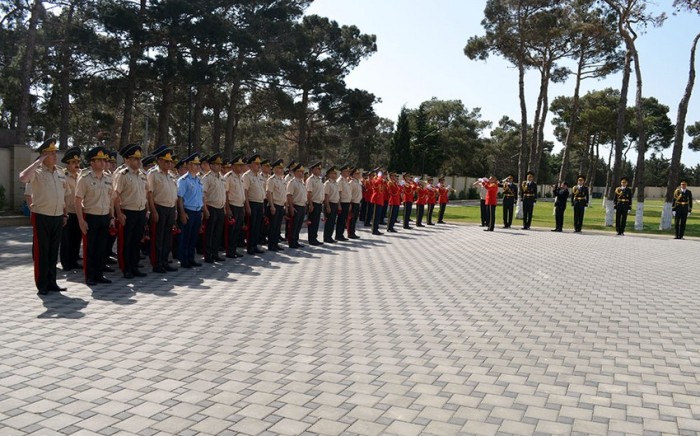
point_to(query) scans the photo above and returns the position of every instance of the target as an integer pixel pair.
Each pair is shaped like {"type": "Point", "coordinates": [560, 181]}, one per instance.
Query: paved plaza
{"type": "Point", "coordinates": [443, 330]}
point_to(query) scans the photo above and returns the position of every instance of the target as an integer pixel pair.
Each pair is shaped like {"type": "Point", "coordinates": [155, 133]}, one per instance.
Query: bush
{"type": "Point", "coordinates": [462, 195]}
{"type": "Point", "coordinates": [473, 194]}
{"type": "Point", "coordinates": [452, 196]}
{"type": "Point", "coordinates": [2, 197]}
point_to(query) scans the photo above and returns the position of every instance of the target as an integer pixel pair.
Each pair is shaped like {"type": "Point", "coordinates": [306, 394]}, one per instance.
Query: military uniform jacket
{"type": "Point", "coordinates": [529, 191]}
{"type": "Point", "coordinates": [356, 191]}
{"type": "Point", "coordinates": [330, 188]}
{"type": "Point", "coordinates": [254, 185]}
{"type": "Point", "coordinates": [297, 190]}
{"type": "Point", "coordinates": [131, 188]}
{"type": "Point", "coordinates": [623, 197]}
{"type": "Point", "coordinates": [276, 186]}
{"type": "Point", "coordinates": [510, 190]}
{"type": "Point", "coordinates": [579, 196]}
{"type": "Point", "coordinates": [345, 190]}
{"type": "Point", "coordinates": [48, 190]}
{"type": "Point", "coordinates": [561, 196]}
{"type": "Point", "coordinates": [314, 185]}
{"type": "Point", "coordinates": [94, 192]}
{"type": "Point", "coordinates": [235, 195]}
{"type": "Point", "coordinates": [214, 189]}
{"type": "Point", "coordinates": [682, 199]}
{"type": "Point", "coordinates": [163, 186]}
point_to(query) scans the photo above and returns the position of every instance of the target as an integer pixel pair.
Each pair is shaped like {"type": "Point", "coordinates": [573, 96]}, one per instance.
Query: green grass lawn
{"type": "Point", "coordinates": [594, 219]}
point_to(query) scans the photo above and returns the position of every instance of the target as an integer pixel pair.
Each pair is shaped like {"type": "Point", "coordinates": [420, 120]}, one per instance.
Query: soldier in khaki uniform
{"type": "Point", "coordinates": [48, 188]}
{"type": "Point", "coordinates": [315, 197]}
{"type": "Point", "coordinates": [331, 198]}
{"type": "Point", "coordinates": [235, 204]}
{"type": "Point", "coordinates": [296, 203]}
{"type": "Point", "coordinates": [93, 196]}
{"type": "Point", "coordinates": [130, 207]}
{"type": "Point", "coordinates": [162, 202]}
{"type": "Point", "coordinates": [345, 199]}
{"type": "Point", "coordinates": [355, 201]}
{"type": "Point", "coordinates": [214, 209]}
{"type": "Point", "coordinates": [254, 196]}
{"type": "Point", "coordinates": [71, 237]}
{"type": "Point", "coordinates": [276, 199]}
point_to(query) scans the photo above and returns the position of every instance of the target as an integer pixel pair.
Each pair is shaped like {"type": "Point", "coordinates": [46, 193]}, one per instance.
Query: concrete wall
{"type": "Point", "coordinates": [13, 159]}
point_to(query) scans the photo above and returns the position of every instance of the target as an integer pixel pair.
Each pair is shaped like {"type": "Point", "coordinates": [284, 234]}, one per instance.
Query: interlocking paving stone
{"type": "Point", "coordinates": [442, 330]}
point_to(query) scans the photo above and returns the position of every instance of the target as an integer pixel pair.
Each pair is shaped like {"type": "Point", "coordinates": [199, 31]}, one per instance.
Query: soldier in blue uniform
{"type": "Point", "coordinates": [190, 200]}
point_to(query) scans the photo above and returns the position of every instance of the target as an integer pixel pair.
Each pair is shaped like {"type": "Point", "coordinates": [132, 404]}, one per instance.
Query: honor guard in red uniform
{"type": "Point", "coordinates": [421, 201]}
{"type": "Point", "coordinates": [579, 200]}
{"type": "Point", "coordinates": [394, 192]}
{"type": "Point", "coordinates": [528, 194]}
{"type": "Point", "coordinates": [49, 186]}
{"type": "Point", "coordinates": [331, 198]}
{"type": "Point", "coordinates": [367, 192]}
{"type": "Point", "coordinates": [93, 205]}
{"type": "Point", "coordinates": [345, 201]}
{"type": "Point", "coordinates": [377, 201]}
{"type": "Point", "coordinates": [71, 235]}
{"type": "Point", "coordinates": [276, 192]}
{"type": "Point", "coordinates": [214, 187]}
{"type": "Point", "coordinates": [432, 200]}
{"type": "Point", "coordinates": [623, 204]}
{"type": "Point", "coordinates": [682, 206]}
{"type": "Point", "coordinates": [297, 197]}
{"type": "Point", "coordinates": [162, 201]}
{"type": "Point", "coordinates": [130, 199]}
{"type": "Point", "coordinates": [491, 201]}
{"type": "Point", "coordinates": [408, 188]}
{"type": "Point", "coordinates": [355, 202]}
{"type": "Point", "coordinates": [315, 197]}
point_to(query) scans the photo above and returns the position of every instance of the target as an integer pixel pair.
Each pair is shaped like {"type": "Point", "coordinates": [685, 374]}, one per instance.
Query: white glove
{"type": "Point", "coordinates": [674, 213]}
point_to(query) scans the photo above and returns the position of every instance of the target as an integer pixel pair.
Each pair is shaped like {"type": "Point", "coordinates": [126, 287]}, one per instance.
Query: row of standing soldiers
{"type": "Point", "coordinates": [199, 205]}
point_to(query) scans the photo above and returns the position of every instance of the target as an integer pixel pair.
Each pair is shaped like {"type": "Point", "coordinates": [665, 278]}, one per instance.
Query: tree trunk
{"type": "Point", "coordinates": [533, 165]}
{"type": "Point", "coordinates": [642, 143]}
{"type": "Point", "coordinates": [666, 215]}
{"type": "Point", "coordinates": [216, 129]}
{"type": "Point", "coordinates": [135, 53]}
{"type": "Point", "coordinates": [232, 119]}
{"type": "Point", "coordinates": [27, 72]}
{"type": "Point", "coordinates": [162, 133]}
{"type": "Point", "coordinates": [64, 78]}
{"type": "Point", "coordinates": [574, 118]}
{"type": "Point", "coordinates": [302, 152]}
{"type": "Point", "coordinates": [608, 180]}
{"type": "Point", "coordinates": [197, 118]}
{"type": "Point", "coordinates": [522, 158]}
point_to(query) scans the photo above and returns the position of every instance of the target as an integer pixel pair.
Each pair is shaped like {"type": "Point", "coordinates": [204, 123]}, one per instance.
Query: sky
{"type": "Point", "coordinates": [420, 55]}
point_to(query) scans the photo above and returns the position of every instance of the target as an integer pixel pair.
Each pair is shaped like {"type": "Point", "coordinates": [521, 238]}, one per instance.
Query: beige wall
{"type": "Point", "coordinates": [13, 160]}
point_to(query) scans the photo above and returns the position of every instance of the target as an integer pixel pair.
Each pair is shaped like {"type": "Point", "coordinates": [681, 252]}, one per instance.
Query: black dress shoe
{"type": "Point", "coordinates": [128, 275]}
{"type": "Point", "coordinates": [233, 256]}
{"type": "Point", "coordinates": [108, 269]}
{"type": "Point", "coordinates": [407, 227]}
{"type": "Point", "coordinates": [354, 237]}
{"type": "Point", "coordinates": [219, 259]}
{"type": "Point", "coordinates": [42, 292]}
{"type": "Point", "coordinates": [421, 225]}
{"type": "Point", "coordinates": [391, 231]}
{"type": "Point", "coordinates": [139, 274]}
{"type": "Point", "coordinates": [111, 261]}
{"type": "Point", "coordinates": [342, 239]}
{"type": "Point", "coordinates": [193, 263]}
{"type": "Point", "coordinates": [258, 251]}
{"type": "Point", "coordinates": [441, 222]}
{"type": "Point", "coordinates": [185, 265]}
{"type": "Point", "coordinates": [272, 249]}
{"type": "Point", "coordinates": [377, 233]}
{"type": "Point", "coordinates": [208, 260]}
{"type": "Point", "coordinates": [279, 248]}
{"type": "Point", "coordinates": [90, 282]}
{"type": "Point", "coordinates": [103, 279]}
{"type": "Point", "coordinates": [329, 241]}
{"type": "Point", "coordinates": [315, 243]}
{"type": "Point", "coordinates": [431, 224]}
{"type": "Point", "coordinates": [159, 270]}
{"type": "Point", "coordinates": [56, 288]}
{"type": "Point", "coordinates": [68, 268]}
{"type": "Point", "coordinates": [169, 268]}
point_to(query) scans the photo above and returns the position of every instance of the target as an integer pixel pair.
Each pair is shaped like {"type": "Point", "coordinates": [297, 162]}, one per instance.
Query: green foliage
{"type": "Point", "coordinates": [472, 194]}
{"type": "Point", "coordinates": [452, 196]}
{"type": "Point", "coordinates": [462, 195]}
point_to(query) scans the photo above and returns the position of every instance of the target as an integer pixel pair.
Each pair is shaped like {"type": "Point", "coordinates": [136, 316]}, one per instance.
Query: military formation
{"type": "Point", "coordinates": [180, 213]}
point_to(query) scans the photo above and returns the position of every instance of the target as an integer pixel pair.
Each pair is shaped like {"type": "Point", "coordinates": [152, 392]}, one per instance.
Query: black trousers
{"type": "Point", "coordinates": [579, 211]}
{"type": "Point", "coordinates": [214, 231]}
{"type": "Point", "coordinates": [297, 224]}
{"type": "Point", "coordinates": [255, 224]}
{"type": "Point", "coordinates": [491, 216]}
{"type": "Point", "coordinates": [236, 231]}
{"type": "Point", "coordinates": [47, 238]}
{"type": "Point", "coordinates": [97, 238]}
{"type": "Point", "coordinates": [441, 213]}
{"type": "Point", "coordinates": [420, 208]}
{"type": "Point", "coordinates": [385, 208]}
{"type": "Point", "coordinates": [132, 233]}
{"type": "Point", "coordinates": [528, 206]}
{"type": "Point", "coordinates": [331, 219]}
{"type": "Point", "coordinates": [273, 237]}
{"type": "Point", "coordinates": [484, 212]}
{"type": "Point", "coordinates": [393, 216]}
{"type": "Point", "coordinates": [162, 236]}
{"type": "Point", "coordinates": [621, 211]}
{"type": "Point", "coordinates": [352, 221]}
{"type": "Point", "coordinates": [315, 218]}
{"type": "Point", "coordinates": [342, 222]}
{"type": "Point", "coordinates": [407, 208]}
{"type": "Point", "coordinates": [559, 217]}
{"type": "Point", "coordinates": [366, 212]}
{"type": "Point", "coordinates": [431, 208]}
{"type": "Point", "coordinates": [681, 218]}
{"type": "Point", "coordinates": [71, 237]}
{"type": "Point", "coordinates": [508, 203]}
